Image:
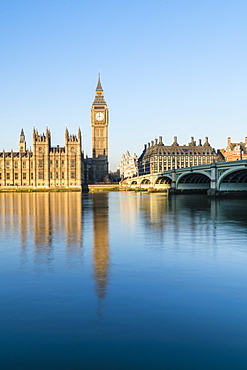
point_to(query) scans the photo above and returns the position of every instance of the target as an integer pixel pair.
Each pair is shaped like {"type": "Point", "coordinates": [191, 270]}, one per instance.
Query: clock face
{"type": "Point", "coordinates": [99, 116]}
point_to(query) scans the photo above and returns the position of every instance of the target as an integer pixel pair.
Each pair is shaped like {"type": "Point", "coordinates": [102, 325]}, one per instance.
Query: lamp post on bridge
{"type": "Point", "coordinates": [241, 153]}
{"type": "Point", "coordinates": [213, 154]}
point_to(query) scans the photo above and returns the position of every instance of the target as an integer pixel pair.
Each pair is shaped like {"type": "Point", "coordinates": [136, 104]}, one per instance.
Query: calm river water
{"type": "Point", "coordinates": [122, 281]}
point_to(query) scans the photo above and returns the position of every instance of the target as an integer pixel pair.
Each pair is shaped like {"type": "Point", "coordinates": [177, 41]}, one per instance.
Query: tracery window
{"type": "Point", "coordinates": [41, 163]}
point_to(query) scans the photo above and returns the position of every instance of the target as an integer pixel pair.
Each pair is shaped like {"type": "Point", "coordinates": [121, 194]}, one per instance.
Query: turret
{"type": "Point", "coordinates": [66, 136]}
{"type": "Point", "coordinates": [22, 142]}
{"type": "Point", "coordinates": [79, 134]}
{"type": "Point", "coordinates": [48, 136]}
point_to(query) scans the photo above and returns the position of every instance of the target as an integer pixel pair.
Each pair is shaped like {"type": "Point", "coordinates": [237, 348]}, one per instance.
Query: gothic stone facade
{"type": "Point", "coordinates": [96, 168]}
{"type": "Point", "coordinates": [59, 167]}
{"type": "Point", "coordinates": [44, 166]}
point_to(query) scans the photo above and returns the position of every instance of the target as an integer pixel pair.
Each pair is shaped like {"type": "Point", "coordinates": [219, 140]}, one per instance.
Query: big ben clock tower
{"type": "Point", "coordinates": [99, 123]}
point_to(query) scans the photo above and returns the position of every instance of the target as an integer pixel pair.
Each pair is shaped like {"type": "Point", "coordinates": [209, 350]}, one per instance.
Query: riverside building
{"type": "Point", "coordinates": [45, 166]}
{"type": "Point", "coordinates": [235, 151]}
{"type": "Point", "coordinates": [157, 157]}
{"type": "Point", "coordinates": [128, 166]}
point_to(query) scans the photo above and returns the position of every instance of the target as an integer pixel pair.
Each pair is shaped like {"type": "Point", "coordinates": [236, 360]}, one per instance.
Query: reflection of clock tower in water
{"type": "Point", "coordinates": [99, 122]}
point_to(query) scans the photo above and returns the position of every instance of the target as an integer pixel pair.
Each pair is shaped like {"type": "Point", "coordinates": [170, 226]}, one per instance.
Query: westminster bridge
{"type": "Point", "coordinates": [211, 178]}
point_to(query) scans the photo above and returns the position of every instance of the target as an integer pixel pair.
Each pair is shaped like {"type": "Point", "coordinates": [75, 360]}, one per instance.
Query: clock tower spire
{"type": "Point", "coordinates": [99, 124]}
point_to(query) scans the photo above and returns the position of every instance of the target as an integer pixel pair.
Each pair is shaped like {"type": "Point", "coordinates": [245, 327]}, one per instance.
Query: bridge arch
{"type": "Point", "coordinates": [193, 181]}
{"type": "Point", "coordinates": [145, 181]}
{"type": "Point", "coordinates": [163, 180]}
{"type": "Point", "coordinates": [233, 180]}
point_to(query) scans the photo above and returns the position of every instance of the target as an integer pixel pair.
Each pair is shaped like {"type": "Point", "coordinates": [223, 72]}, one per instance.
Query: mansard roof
{"type": "Point", "coordinates": [175, 148]}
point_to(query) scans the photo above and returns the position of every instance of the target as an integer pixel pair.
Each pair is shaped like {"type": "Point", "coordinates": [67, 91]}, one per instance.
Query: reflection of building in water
{"type": "Point", "coordinates": [130, 207]}
{"type": "Point", "coordinates": [43, 218]}
{"type": "Point", "coordinates": [101, 258]}
{"type": "Point", "coordinates": [150, 208]}
{"type": "Point", "coordinates": [13, 221]}
{"type": "Point", "coordinates": [155, 207]}
{"type": "Point", "coordinates": [42, 221]}
{"type": "Point", "coordinates": [155, 212]}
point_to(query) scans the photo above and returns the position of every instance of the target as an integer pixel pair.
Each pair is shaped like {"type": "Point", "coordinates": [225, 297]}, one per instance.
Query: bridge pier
{"type": "Point", "coordinates": [174, 179]}
{"type": "Point", "coordinates": [213, 191]}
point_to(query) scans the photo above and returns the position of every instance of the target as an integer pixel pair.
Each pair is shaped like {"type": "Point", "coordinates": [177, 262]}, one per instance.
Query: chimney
{"type": "Point", "coordinates": [160, 139]}
{"type": "Point", "coordinates": [175, 139]}
{"type": "Point", "coordinates": [192, 139]}
{"type": "Point", "coordinates": [200, 142]}
{"type": "Point", "coordinates": [148, 145]}
{"type": "Point", "coordinates": [152, 143]}
{"type": "Point", "coordinates": [228, 141]}
{"type": "Point", "coordinates": [156, 141]}
{"type": "Point", "coordinates": [206, 140]}
{"type": "Point", "coordinates": [145, 146]}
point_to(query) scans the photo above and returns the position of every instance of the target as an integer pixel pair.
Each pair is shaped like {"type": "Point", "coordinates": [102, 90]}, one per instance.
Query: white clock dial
{"type": "Point", "coordinates": [99, 116]}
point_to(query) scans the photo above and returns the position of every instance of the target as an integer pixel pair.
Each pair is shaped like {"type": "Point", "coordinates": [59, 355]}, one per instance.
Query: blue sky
{"type": "Point", "coordinates": [168, 68]}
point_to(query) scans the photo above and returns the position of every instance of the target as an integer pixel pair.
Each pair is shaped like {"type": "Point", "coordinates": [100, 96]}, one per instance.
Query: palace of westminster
{"type": "Point", "coordinates": [65, 167]}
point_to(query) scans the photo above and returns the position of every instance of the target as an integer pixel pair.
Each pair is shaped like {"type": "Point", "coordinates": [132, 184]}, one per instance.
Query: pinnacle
{"type": "Point", "coordinates": [99, 87]}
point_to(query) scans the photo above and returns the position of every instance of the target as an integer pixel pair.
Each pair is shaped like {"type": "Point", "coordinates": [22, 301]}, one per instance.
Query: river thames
{"type": "Point", "coordinates": [122, 281]}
